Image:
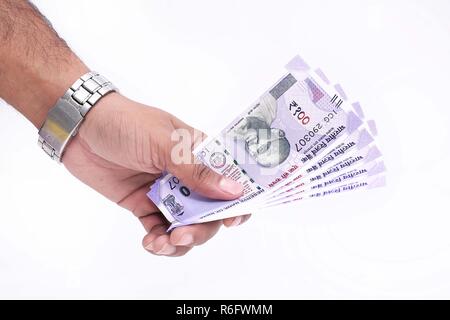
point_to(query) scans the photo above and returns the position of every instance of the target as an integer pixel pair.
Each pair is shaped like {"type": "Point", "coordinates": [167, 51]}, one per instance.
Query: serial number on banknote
{"type": "Point", "coordinates": [302, 142]}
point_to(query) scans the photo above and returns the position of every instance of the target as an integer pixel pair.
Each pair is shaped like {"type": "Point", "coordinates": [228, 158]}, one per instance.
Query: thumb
{"type": "Point", "coordinates": [201, 179]}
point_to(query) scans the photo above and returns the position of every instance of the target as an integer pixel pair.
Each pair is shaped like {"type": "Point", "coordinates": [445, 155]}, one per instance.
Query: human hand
{"type": "Point", "coordinates": [122, 148]}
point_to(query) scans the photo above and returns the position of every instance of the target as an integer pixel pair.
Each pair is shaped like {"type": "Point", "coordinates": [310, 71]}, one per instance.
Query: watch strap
{"type": "Point", "coordinates": [65, 117]}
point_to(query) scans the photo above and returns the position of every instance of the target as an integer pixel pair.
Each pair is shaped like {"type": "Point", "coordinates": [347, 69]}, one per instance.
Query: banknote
{"type": "Point", "coordinates": [365, 170]}
{"type": "Point", "coordinates": [291, 124]}
{"type": "Point", "coordinates": [369, 177]}
{"type": "Point", "coordinates": [366, 155]}
{"type": "Point", "coordinates": [363, 183]}
{"type": "Point", "coordinates": [353, 143]}
{"type": "Point", "coordinates": [358, 139]}
{"type": "Point", "coordinates": [301, 139]}
{"type": "Point", "coordinates": [365, 152]}
{"type": "Point", "coordinates": [215, 148]}
{"type": "Point", "coordinates": [363, 160]}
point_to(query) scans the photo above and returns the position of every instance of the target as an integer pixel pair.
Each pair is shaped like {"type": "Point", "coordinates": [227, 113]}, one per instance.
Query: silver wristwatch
{"type": "Point", "coordinates": [66, 116]}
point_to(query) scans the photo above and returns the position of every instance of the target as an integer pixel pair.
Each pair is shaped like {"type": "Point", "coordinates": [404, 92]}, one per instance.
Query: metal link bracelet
{"type": "Point", "coordinates": [69, 112]}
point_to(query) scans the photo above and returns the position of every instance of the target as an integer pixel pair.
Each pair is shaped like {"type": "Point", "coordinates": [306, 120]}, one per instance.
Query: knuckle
{"type": "Point", "coordinates": [201, 173]}
{"type": "Point", "coordinates": [149, 249]}
{"type": "Point", "coordinates": [148, 246]}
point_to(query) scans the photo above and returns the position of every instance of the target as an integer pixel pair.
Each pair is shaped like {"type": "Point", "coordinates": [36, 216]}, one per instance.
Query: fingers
{"type": "Point", "coordinates": [202, 180]}
{"type": "Point", "coordinates": [138, 202]}
{"type": "Point", "coordinates": [181, 240]}
{"type": "Point", "coordinates": [236, 221]}
{"type": "Point", "coordinates": [152, 220]}
{"type": "Point", "coordinates": [194, 235]}
{"type": "Point", "coordinates": [158, 242]}
{"type": "Point", "coordinates": [199, 178]}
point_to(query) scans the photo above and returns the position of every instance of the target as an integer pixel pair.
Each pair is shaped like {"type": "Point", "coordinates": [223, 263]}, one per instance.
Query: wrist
{"type": "Point", "coordinates": [105, 118]}
{"type": "Point", "coordinates": [65, 117]}
{"type": "Point", "coordinates": [47, 89]}
{"type": "Point", "coordinates": [34, 89]}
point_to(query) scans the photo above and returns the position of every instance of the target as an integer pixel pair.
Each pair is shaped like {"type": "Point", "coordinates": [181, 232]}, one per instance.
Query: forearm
{"type": "Point", "coordinates": [36, 65]}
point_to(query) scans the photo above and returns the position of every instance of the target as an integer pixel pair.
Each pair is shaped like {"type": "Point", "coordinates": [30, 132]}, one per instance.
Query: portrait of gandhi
{"type": "Point", "coordinates": [268, 146]}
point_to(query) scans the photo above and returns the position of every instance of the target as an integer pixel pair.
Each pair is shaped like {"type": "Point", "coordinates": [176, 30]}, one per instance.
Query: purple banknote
{"type": "Point", "coordinates": [291, 125]}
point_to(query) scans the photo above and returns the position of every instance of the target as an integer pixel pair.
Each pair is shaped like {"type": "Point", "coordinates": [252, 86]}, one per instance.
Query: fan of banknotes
{"type": "Point", "coordinates": [300, 140]}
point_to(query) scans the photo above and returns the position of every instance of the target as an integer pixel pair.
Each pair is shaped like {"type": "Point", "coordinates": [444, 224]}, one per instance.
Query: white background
{"type": "Point", "coordinates": [205, 61]}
